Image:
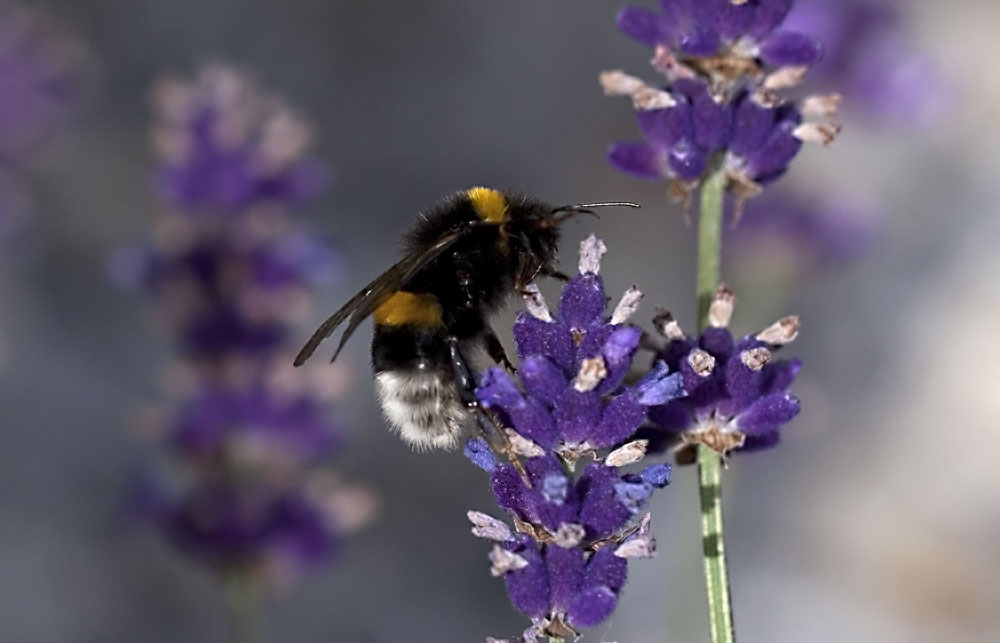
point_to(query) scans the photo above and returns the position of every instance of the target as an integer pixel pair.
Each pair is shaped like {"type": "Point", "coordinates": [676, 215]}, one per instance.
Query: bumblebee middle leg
{"type": "Point", "coordinates": [489, 424]}
{"type": "Point", "coordinates": [496, 351]}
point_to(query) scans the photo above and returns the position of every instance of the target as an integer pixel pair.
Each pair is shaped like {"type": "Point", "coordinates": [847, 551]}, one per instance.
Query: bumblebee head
{"type": "Point", "coordinates": [538, 224]}
{"type": "Point", "coordinates": [532, 223]}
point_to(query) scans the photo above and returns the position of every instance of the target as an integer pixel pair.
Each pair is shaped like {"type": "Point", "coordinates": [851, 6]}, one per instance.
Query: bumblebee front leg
{"type": "Point", "coordinates": [549, 271]}
{"type": "Point", "coordinates": [525, 277]}
{"type": "Point", "coordinates": [531, 271]}
{"type": "Point", "coordinates": [489, 424]}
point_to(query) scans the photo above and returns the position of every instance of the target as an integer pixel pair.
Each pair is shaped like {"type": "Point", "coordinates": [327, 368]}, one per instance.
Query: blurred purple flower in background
{"type": "Point", "coordinates": [727, 68]}
{"type": "Point", "coordinates": [45, 76]}
{"type": "Point", "coordinates": [225, 147]}
{"type": "Point", "coordinates": [738, 394]}
{"type": "Point", "coordinates": [565, 564]}
{"type": "Point", "coordinates": [870, 56]}
{"type": "Point", "coordinates": [229, 271]}
{"type": "Point", "coordinates": [796, 236]}
{"type": "Point", "coordinates": [887, 81]}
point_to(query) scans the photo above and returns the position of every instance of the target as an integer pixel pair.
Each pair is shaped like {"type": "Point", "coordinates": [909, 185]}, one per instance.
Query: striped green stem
{"type": "Point", "coordinates": [244, 596]}
{"type": "Point", "coordinates": [720, 611]}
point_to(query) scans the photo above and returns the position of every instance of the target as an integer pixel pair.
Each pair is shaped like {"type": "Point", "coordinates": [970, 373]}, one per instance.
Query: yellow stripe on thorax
{"type": "Point", "coordinates": [407, 308]}
{"type": "Point", "coordinates": [489, 205]}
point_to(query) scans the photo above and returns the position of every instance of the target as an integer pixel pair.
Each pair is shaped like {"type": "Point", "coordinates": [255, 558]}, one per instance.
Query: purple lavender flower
{"type": "Point", "coordinates": [229, 271]}
{"type": "Point", "coordinates": [747, 31]}
{"type": "Point", "coordinates": [268, 531]}
{"type": "Point", "coordinates": [230, 289]}
{"type": "Point", "coordinates": [227, 147]}
{"type": "Point", "coordinates": [759, 139]}
{"type": "Point", "coordinates": [726, 66]}
{"type": "Point", "coordinates": [566, 565]}
{"type": "Point", "coordinates": [572, 367]}
{"type": "Point", "coordinates": [738, 394]}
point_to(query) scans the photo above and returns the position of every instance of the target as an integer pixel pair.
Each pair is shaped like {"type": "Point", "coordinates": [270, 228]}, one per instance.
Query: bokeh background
{"type": "Point", "coordinates": [877, 520]}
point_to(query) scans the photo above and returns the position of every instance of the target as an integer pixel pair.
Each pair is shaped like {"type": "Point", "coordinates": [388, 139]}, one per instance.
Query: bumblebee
{"type": "Point", "coordinates": [463, 258]}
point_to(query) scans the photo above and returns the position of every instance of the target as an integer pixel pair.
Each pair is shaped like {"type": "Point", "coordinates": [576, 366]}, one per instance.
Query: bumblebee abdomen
{"type": "Point", "coordinates": [413, 374]}
{"type": "Point", "coordinates": [423, 406]}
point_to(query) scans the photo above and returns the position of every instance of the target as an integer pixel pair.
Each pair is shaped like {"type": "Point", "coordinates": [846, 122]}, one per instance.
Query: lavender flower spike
{"type": "Point", "coordinates": [727, 66]}
{"type": "Point", "coordinates": [565, 561]}
{"type": "Point", "coordinates": [228, 271]}
{"type": "Point", "coordinates": [739, 394]}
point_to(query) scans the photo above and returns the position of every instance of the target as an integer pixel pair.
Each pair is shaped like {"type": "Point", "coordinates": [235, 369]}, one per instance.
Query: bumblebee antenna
{"type": "Point", "coordinates": [568, 211]}
{"type": "Point", "coordinates": [605, 204]}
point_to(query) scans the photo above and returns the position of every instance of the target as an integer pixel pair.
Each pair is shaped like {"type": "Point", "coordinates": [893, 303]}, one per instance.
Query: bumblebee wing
{"type": "Point", "coordinates": [368, 299]}
{"type": "Point", "coordinates": [360, 305]}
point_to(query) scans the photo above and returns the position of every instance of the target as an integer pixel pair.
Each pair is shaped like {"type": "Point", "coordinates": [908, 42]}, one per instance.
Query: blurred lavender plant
{"type": "Point", "coordinates": [44, 77]}
{"type": "Point", "coordinates": [228, 269]}
{"type": "Point", "coordinates": [565, 561]}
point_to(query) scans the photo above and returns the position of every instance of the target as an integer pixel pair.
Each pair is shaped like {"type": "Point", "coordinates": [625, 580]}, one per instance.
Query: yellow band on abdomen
{"type": "Point", "coordinates": [407, 308]}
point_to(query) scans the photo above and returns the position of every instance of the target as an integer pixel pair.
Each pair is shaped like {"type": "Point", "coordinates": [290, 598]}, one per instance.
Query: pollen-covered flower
{"type": "Point", "coordinates": [739, 394]}
{"type": "Point", "coordinates": [565, 565]}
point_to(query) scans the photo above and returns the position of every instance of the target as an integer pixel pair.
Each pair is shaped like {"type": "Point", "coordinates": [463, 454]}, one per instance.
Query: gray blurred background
{"type": "Point", "coordinates": [878, 519]}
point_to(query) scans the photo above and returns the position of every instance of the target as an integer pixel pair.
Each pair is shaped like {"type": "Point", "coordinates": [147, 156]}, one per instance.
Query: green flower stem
{"type": "Point", "coordinates": [720, 611]}
{"type": "Point", "coordinates": [244, 596]}
{"type": "Point", "coordinates": [713, 190]}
